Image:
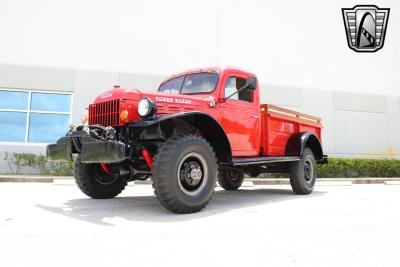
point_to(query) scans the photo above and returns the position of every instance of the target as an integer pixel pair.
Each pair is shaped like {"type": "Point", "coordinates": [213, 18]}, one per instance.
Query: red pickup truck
{"type": "Point", "coordinates": [201, 126]}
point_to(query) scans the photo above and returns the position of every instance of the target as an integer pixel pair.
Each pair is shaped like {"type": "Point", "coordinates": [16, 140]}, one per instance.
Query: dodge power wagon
{"type": "Point", "coordinates": [200, 127]}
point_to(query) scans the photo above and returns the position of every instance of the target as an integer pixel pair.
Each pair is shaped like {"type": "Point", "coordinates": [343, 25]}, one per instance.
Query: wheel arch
{"type": "Point", "coordinates": [297, 143]}
{"type": "Point", "coordinates": [209, 128]}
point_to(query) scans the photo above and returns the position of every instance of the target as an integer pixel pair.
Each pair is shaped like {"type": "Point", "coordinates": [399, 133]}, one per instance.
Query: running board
{"type": "Point", "coordinates": [264, 160]}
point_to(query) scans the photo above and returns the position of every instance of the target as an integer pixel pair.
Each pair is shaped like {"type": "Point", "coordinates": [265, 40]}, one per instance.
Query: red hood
{"type": "Point", "coordinates": [118, 93]}
{"type": "Point", "coordinates": [105, 104]}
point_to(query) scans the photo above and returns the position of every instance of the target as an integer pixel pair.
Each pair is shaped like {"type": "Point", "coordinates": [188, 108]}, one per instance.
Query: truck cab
{"type": "Point", "coordinates": [237, 112]}
{"type": "Point", "coordinates": [200, 126]}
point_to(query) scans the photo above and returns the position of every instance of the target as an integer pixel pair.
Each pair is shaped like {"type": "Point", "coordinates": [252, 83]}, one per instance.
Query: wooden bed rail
{"type": "Point", "coordinates": [275, 110]}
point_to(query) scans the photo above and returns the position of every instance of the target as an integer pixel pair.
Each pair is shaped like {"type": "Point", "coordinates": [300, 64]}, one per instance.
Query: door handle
{"type": "Point", "coordinates": [255, 116]}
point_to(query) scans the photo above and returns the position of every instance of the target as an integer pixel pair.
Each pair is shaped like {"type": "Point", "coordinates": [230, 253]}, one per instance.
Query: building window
{"type": "Point", "coordinates": [33, 117]}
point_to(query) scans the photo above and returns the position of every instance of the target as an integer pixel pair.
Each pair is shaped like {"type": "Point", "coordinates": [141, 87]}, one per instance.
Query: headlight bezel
{"type": "Point", "coordinates": [146, 107]}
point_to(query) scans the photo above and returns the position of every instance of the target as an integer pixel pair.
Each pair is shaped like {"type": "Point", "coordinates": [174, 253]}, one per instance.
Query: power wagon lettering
{"type": "Point", "coordinates": [173, 100]}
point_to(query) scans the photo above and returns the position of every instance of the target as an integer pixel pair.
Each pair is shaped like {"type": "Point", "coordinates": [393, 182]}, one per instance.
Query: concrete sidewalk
{"type": "Point", "coordinates": [249, 181]}
{"type": "Point", "coordinates": [42, 224]}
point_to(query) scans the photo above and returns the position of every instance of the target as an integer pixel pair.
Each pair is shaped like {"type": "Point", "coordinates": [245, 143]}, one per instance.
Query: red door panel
{"type": "Point", "coordinates": [241, 122]}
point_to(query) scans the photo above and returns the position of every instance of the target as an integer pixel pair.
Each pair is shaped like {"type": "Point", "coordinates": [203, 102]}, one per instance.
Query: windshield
{"type": "Point", "coordinates": [191, 84]}
{"type": "Point", "coordinates": [172, 86]}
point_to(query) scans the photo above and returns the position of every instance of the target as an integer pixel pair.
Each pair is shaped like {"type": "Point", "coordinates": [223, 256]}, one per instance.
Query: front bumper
{"type": "Point", "coordinates": [90, 149]}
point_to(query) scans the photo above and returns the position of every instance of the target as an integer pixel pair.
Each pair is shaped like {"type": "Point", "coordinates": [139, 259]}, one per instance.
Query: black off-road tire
{"type": "Point", "coordinates": [169, 186]}
{"type": "Point", "coordinates": [87, 178]}
{"type": "Point", "coordinates": [230, 179]}
{"type": "Point", "coordinates": [303, 173]}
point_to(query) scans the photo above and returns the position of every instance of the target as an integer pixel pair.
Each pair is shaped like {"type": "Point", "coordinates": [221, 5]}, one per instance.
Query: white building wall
{"type": "Point", "coordinates": [298, 49]}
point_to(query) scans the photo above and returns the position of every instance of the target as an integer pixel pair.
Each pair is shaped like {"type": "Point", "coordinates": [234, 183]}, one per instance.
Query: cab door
{"type": "Point", "coordinates": [240, 116]}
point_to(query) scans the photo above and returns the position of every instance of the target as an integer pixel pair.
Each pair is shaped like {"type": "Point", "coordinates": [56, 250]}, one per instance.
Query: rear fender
{"type": "Point", "coordinates": [298, 142]}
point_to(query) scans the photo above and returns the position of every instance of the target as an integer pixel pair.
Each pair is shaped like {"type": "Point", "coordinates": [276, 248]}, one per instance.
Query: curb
{"type": "Point", "coordinates": [326, 181]}
{"type": "Point", "coordinates": [248, 181]}
{"type": "Point", "coordinates": [32, 178]}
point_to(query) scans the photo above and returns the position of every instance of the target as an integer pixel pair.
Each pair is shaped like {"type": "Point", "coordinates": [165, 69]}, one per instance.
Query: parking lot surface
{"type": "Point", "coordinates": [341, 225]}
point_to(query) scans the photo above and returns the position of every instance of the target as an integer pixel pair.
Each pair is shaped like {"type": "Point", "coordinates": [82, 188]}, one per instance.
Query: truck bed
{"type": "Point", "coordinates": [278, 124]}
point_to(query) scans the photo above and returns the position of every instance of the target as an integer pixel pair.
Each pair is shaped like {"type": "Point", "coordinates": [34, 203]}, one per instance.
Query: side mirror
{"type": "Point", "coordinates": [251, 83]}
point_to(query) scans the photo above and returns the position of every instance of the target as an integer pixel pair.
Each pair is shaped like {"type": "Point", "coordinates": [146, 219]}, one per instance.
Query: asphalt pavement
{"type": "Point", "coordinates": [44, 224]}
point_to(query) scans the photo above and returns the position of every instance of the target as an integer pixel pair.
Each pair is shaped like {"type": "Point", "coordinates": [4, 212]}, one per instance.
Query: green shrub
{"type": "Point", "coordinates": [353, 168]}
{"type": "Point", "coordinates": [62, 168]}
{"type": "Point", "coordinates": [16, 161]}
{"type": "Point", "coordinates": [344, 167]}
{"type": "Point", "coordinates": [336, 167]}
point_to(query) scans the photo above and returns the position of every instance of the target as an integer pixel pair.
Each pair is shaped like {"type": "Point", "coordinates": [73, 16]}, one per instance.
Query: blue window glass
{"type": "Point", "coordinates": [47, 128]}
{"type": "Point", "coordinates": [12, 126]}
{"type": "Point", "coordinates": [13, 100]}
{"type": "Point", "coordinates": [51, 102]}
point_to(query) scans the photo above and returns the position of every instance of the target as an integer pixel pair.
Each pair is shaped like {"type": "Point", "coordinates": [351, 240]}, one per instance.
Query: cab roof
{"type": "Point", "coordinates": [215, 69]}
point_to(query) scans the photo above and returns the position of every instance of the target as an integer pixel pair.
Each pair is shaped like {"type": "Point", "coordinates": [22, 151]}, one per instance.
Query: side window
{"type": "Point", "coordinates": [233, 84]}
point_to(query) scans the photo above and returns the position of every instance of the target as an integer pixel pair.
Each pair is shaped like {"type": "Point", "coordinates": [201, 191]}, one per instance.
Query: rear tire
{"type": "Point", "coordinates": [95, 183]}
{"type": "Point", "coordinates": [184, 174]}
{"type": "Point", "coordinates": [303, 173]}
{"type": "Point", "coordinates": [230, 179]}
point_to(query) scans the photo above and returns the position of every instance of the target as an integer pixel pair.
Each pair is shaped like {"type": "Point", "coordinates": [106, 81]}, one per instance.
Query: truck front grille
{"type": "Point", "coordinates": [104, 113]}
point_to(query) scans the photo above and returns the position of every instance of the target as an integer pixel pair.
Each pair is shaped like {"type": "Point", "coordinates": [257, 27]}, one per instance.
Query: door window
{"type": "Point", "coordinates": [233, 84]}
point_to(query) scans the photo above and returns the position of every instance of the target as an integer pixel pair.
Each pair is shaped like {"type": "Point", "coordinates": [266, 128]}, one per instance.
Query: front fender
{"type": "Point", "coordinates": [209, 128]}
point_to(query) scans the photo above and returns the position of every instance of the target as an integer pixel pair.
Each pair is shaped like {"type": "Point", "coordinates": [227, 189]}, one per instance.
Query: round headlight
{"type": "Point", "coordinates": [146, 107]}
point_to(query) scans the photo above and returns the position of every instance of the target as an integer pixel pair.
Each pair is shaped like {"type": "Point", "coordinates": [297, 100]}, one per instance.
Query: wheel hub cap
{"type": "Point", "coordinates": [192, 173]}
{"type": "Point", "coordinates": [196, 174]}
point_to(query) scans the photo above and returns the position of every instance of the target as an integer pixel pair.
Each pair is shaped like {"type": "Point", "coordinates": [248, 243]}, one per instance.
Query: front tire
{"type": "Point", "coordinates": [95, 183]}
{"type": "Point", "coordinates": [230, 179]}
{"type": "Point", "coordinates": [303, 173]}
{"type": "Point", "coordinates": [184, 174]}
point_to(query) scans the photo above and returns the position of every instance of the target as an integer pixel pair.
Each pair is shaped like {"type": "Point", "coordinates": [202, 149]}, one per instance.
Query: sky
{"type": "Point", "coordinates": [290, 43]}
